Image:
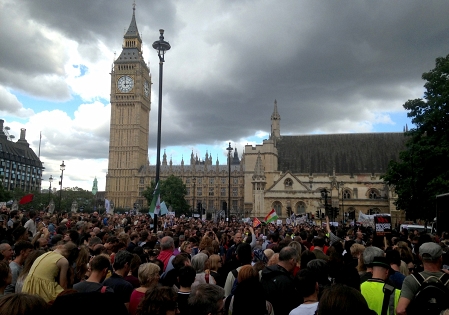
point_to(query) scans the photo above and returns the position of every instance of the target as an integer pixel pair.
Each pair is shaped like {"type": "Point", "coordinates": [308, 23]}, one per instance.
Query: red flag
{"type": "Point", "coordinates": [256, 222]}
{"type": "Point", "coordinates": [25, 199]}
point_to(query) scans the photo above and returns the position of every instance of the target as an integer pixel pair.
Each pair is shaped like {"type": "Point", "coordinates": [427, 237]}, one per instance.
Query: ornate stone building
{"type": "Point", "coordinates": [289, 173]}
{"type": "Point", "coordinates": [207, 182]}
{"type": "Point", "coordinates": [20, 167]}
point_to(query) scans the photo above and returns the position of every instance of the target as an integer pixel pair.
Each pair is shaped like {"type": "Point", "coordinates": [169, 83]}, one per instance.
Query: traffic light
{"type": "Point", "coordinates": [336, 212]}
{"type": "Point", "coordinates": [317, 213]}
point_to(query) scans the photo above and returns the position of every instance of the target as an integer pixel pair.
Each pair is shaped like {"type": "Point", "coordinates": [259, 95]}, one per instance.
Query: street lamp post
{"type": "Point", "coordinates": [229, 148]}
{"type": "Point", "coordinates": [62, 168]}
{"type": "Point", "coordinates": [50, 180]}
{"type": "Point", "coordinates": [193, 206]}
{"type": "Point", "coordinates": [161, 46]}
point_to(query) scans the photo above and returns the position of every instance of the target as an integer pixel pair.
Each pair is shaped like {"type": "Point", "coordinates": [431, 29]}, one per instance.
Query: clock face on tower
{"type": "Point", "coordinates": [125, 84]}
{"type": "Point", "coordinates": [146, 88]}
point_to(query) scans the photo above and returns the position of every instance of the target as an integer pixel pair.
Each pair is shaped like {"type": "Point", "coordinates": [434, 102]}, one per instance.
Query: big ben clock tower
{"type": "Point", "coordinates": [130, 114]}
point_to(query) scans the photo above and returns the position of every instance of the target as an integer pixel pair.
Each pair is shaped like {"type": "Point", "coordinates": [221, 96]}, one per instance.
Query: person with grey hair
{"type": "Point", "coordinates": [121, 287]}
{"type": "Point", "coordinates": [206, 299]}
{"type": "Point", "coordinates": [278, 282]}
{"type": "Point", "coordinates": [202, 275]}
{"type": "Point", "coordinates": [166, 254]}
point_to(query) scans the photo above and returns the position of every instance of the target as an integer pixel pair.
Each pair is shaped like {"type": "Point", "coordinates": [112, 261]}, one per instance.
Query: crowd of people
{"type": "Point", "coordinates": [78, 263]}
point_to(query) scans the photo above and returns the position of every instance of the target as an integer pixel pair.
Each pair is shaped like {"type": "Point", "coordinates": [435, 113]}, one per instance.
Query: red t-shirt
{"type": "Point", "coordinates": [134, 301]}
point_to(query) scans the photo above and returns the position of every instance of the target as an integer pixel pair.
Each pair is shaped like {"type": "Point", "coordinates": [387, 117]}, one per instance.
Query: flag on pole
{"type": "Point", "coordinates": [272, 216]}
{"type": "Point", "coordinates": [164, 210]}
{"type": "Point", "coordinates": [256, 222]}
{"type": "Point", "coordinates": [26, 199]}
{"type": "Point", "coordinates": [155, 206]}
{"type": "Point", "coordinates": [107, 205]}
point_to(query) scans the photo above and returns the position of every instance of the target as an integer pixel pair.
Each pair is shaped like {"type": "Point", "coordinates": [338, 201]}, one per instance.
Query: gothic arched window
{"type": "Point", "coordinates": [373, 194]}
{"type": "Point", "coordinates": [288, 183]}
{"type": "Point", "coordinates": [277, 206]}
{"type": "Point", "coordinates": [346, 194]}
{"type": "Point", "coordinates": [301, 207]}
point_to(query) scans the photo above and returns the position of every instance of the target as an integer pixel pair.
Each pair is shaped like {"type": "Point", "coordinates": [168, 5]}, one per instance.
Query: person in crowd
{"type": "Point", "coordinates": [375, 289]}
{"type": "Point", "coordinates": [99, 266]}
{"type": "Point", "coordinates": [122, 288]}
{"type": "Point", "coordinates": [159, 301]}
{"type": "Point", "coordinates": [166, 254]}
{"type": "Point", "coordinates": [396, 277]}
{"type": "Point", "coordinates": [6, 252]}
{"type": "Point", "coordinates": [202, 275]}
{"type": "Point", "coordinates": [26, 269]}
{"type": "Point", "coordinates": [133, 274]}
{"type": "Point", "coordinates": [186, 276]}
{"type": "Point", "coordinates": [30, 225]}
{"type": "Point", "coordinates": [318, 248]}
{"type": "Point", "coordinates": [248, 288]}
{"type": "Point", "coordinates": [23, 304]}
{"type": "Point", "coordinates": [22, 249]}
{"type": "Point", "coordinates": [186, 248]}
{"type": "Point", "coordinates": [278, 282]}
{"type": "Point", "coordinates": [230, 254]}
{"type": "Point", "coordinates": [244, 257]}
{"type": "Point", "coordinates": [206, 299]}
{"type": "Point", "coordinates": [171, 277]}
{"type": "Point", "coordinates": [431, 256]}
{"type": "Point", "coordinates": [5, 277]}
{"type": "Point", "coordinates": [341, 299]}
{"type": "Point", "coordinates": [213, 264]}
{"type": "Point", "coordinates": [367, 257]}
{"type": "Point", "coordinates": [308, 288]}
{"type": "Point", "coordinates": [48, 267]}
{"type": "Point", "coordinates": [148, 277]}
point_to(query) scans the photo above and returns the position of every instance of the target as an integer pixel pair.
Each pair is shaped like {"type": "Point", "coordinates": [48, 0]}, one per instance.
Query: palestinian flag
{"type": "Point", "coordinates": [272, 216]}
{"type": "Point", "coordinates": [256, 222]}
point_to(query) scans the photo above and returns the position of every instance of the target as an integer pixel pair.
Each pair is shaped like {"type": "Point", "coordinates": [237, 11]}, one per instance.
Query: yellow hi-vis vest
{"type": "Point", "coordinates": [373, 292]}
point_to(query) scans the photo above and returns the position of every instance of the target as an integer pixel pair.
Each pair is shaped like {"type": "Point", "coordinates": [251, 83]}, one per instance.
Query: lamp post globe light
{"type": "Point", "coordinates": [62, 168]}
{"type": "Point", "coordinates": [228, 210]}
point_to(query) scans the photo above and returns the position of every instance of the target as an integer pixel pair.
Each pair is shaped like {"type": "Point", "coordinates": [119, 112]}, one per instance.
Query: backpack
{"type": "Point", "coordinates": [432, 296]}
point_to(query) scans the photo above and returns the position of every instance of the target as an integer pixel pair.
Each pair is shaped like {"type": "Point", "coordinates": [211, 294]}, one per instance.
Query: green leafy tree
{"type": "Point", "coordinates": [4, 194]}
{"type": "Point", "coordinates": [423, 169]}
{"type": "Point", "coordinates": [173, 192]}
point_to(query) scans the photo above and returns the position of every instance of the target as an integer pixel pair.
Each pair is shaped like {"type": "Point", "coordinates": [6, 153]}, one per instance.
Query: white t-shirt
{"type": "Point", "coordinates": [31, 226]}
{"type": "Point", "coordinates": [305, 309]}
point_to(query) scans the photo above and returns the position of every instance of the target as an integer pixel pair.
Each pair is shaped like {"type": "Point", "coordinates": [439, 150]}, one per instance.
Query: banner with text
{"type": "Point", "coordinates": [382, 225]}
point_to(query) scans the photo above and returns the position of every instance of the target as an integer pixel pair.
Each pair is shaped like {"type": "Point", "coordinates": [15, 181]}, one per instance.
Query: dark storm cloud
{"type": "Point", "coordinates": [335, 61]}
{"type": "Point", "coordinates": [330, 65]}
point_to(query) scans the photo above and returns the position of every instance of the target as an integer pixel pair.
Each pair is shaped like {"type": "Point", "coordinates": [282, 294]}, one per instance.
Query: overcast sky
{"type": "Point", "coordinates": [332, 66]}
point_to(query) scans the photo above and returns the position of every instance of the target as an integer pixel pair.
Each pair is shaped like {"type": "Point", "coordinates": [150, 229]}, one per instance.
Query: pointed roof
{"type": "Point", "coordinates": [275, 114]}
{"type": "Point", "coordinates": [259, 169]}
{"type": "Point", "coordinates": [132, 31]}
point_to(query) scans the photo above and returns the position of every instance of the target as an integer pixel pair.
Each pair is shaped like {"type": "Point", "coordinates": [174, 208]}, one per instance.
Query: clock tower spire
{"type": "Point", "coordinates": [130, 116]}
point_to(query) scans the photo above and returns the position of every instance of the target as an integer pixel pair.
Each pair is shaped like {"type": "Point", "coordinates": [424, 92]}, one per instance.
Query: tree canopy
{"type": "Point", "coordinates": [172, 191]}
{"type": "Point", "coordinates": [423, 169]}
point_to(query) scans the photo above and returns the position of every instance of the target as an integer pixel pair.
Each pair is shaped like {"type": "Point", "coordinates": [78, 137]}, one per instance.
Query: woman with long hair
{"type": "Point", "coordinates": [148, 277]}
{"type": "Point", "coordinates": [48, 267]}
{"type": "Point", "coordinates": [159, 301]}
{"type": "Point", "coordinates": [247, 295]}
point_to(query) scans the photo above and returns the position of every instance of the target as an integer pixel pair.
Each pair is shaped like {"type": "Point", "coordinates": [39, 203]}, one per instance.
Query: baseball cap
{"type": "Point", "coordinates": [369, 253]}
{"type": "Point", "coordinates": [430, 251]}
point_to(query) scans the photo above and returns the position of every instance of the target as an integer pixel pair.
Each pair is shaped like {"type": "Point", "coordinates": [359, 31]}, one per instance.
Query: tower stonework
{"type": "Point", "coordinates": [130, 114]}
